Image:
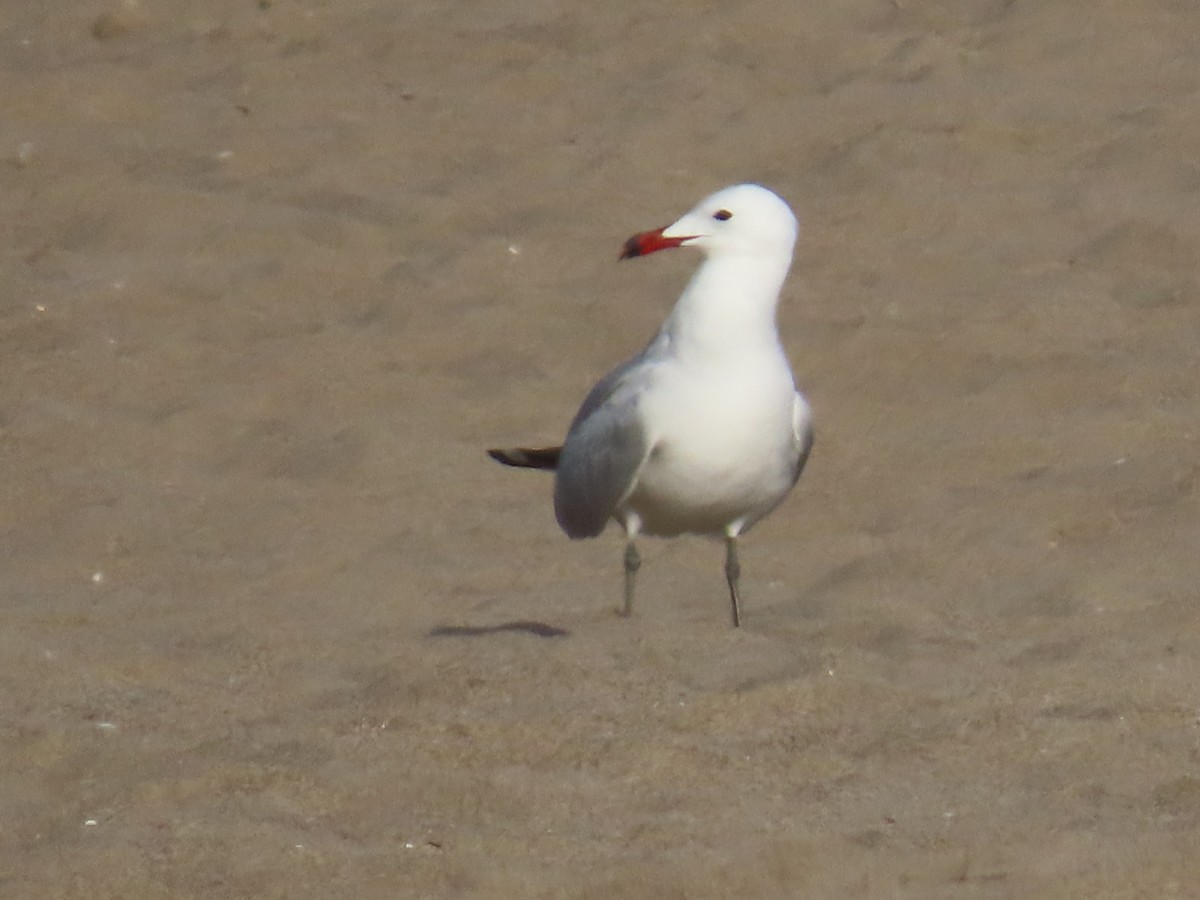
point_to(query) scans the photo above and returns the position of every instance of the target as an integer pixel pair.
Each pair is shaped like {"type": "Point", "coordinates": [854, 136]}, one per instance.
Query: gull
{"type": "Point", "coordinates": [703, 432]}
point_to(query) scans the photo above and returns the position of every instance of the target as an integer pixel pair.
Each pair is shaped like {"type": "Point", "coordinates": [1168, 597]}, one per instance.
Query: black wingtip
{"type": "Point", "coordinates": [526, 457]}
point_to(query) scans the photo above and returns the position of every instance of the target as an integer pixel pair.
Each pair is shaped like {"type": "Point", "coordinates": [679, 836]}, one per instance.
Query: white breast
{"type": "Point", "coordinates": [724, 447]}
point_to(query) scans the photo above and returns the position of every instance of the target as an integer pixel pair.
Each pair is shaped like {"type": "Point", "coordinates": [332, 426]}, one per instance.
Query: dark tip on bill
{"type": "Point", "coordinates": [633, 247]}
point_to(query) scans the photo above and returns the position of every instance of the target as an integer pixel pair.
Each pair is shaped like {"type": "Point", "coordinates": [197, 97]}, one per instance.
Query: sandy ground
{"type": "Point", "coordinates": [274, 274]}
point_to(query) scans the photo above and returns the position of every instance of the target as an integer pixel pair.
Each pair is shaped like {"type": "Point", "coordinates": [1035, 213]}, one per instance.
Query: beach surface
{"type": "Point", "coordinates": [276, 273]}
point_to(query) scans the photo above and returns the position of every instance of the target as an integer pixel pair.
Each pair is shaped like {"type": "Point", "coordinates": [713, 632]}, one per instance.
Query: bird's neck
{"type": "Point", "coordinates": [728, 307]}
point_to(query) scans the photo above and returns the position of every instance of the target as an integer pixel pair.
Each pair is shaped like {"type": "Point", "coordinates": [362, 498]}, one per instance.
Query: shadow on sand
{"type": "Point", "coordinates": [538, 629]}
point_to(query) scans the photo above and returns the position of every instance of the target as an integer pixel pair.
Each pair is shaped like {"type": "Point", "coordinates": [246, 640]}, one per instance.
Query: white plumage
{"type": "Point", "coordinates": [704, 431]}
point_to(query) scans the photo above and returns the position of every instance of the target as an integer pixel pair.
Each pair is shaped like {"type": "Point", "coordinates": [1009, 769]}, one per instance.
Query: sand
{"type": "Point", "coordinates": [276, 273]}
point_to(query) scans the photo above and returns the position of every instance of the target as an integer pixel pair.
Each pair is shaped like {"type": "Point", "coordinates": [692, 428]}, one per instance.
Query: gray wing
{"type": "Point", "coordinates": [802, 430]}
{"type": "Point", "coordinates": [605, 449]}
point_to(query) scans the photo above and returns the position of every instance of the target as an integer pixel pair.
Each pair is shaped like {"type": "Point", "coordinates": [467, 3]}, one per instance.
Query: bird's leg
{"type": "Point", "coordinates": [733, 570]}
{"type": "Point", "coordinates": [633, 562]}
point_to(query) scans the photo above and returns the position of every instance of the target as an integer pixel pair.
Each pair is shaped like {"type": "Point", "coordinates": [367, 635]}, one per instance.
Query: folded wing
{"type": "Point", "coordinates": [605, 450]}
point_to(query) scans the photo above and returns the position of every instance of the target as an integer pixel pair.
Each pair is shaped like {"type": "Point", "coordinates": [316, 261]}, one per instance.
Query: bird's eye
{"type": "Point", "coordinates": [722, 215]}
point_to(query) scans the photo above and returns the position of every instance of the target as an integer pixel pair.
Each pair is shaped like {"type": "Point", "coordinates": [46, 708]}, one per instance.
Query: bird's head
{"type": "Point", "coordinates": [743, 220]}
